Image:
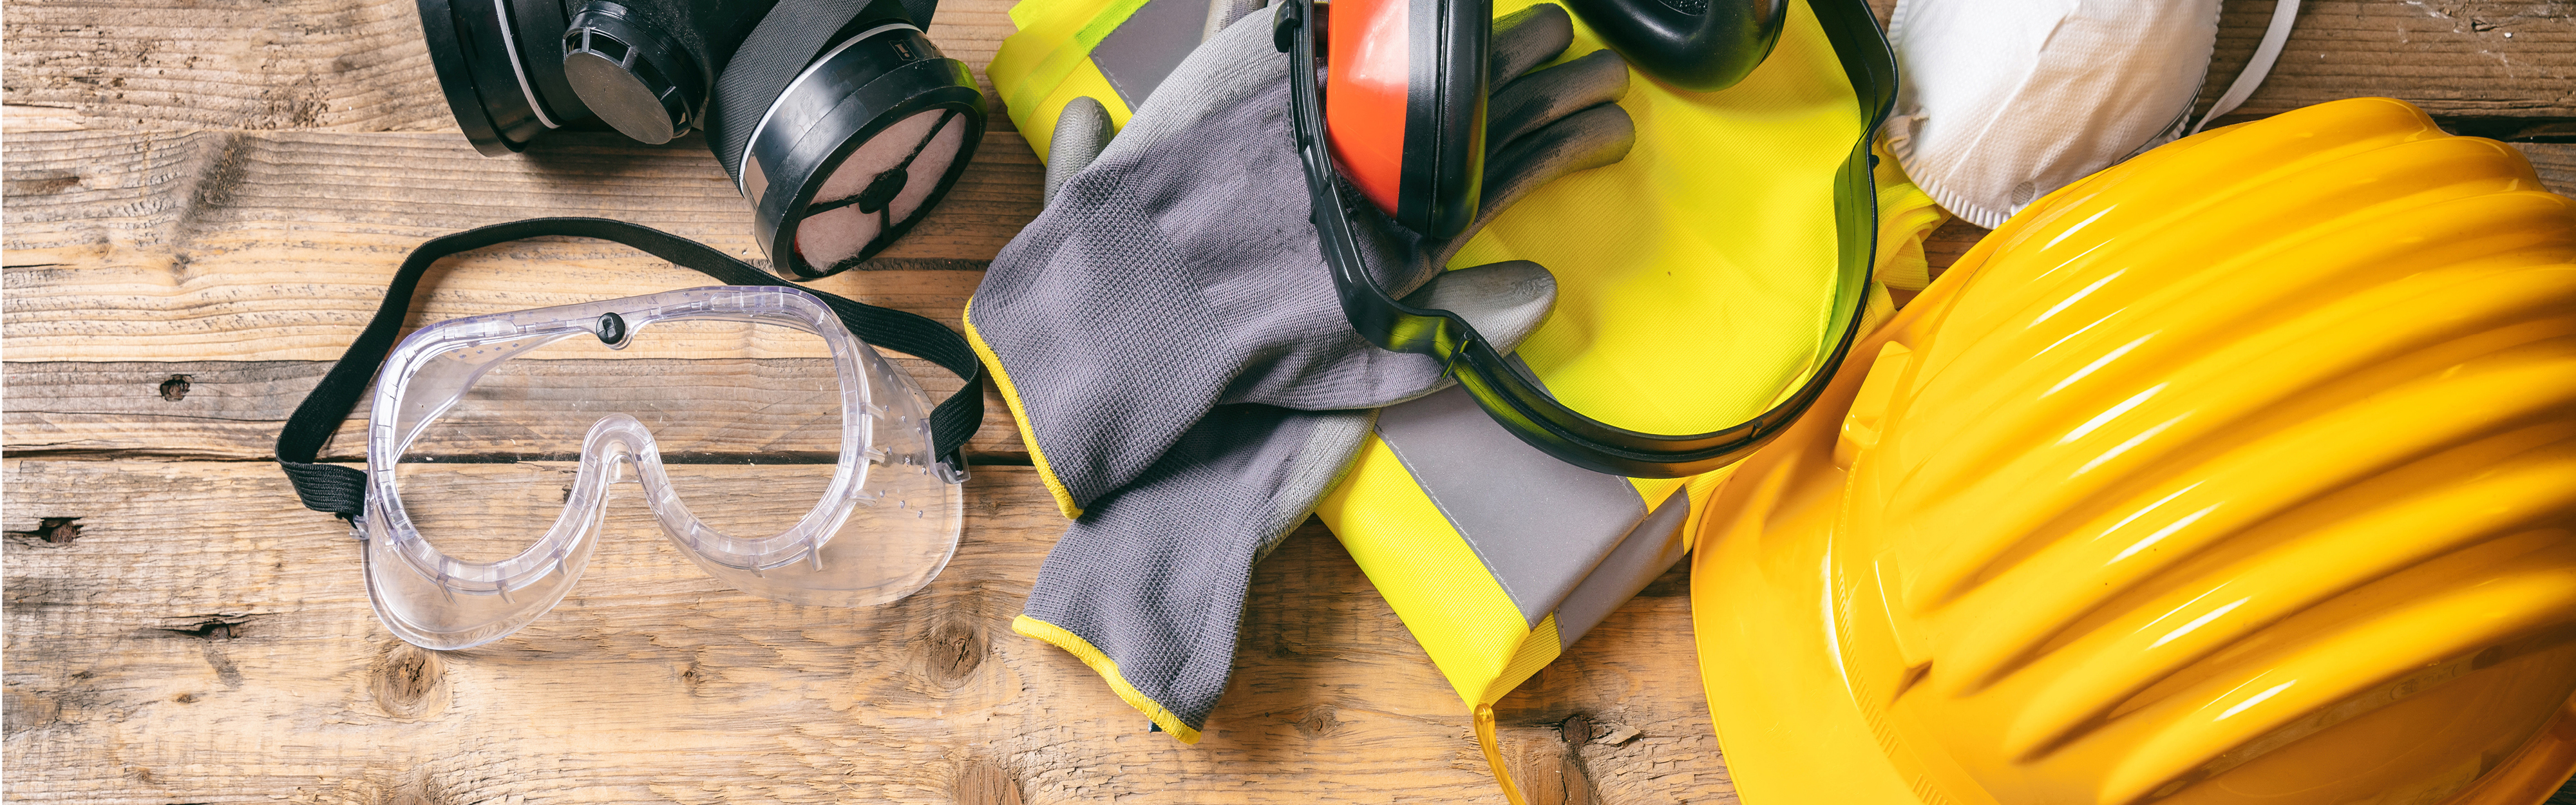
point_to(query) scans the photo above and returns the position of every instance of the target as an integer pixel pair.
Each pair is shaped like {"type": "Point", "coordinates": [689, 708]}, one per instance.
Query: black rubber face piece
{"type": "Point", "coordinates": [648, 67]}
{"type": "Point", "coordinates": [499, 65]}
{"type": "Point", "coordinates": [634, 76]}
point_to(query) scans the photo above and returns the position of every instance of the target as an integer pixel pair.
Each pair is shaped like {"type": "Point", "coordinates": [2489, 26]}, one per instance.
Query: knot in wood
{"type": "Point", "coordinates": [408, 681]}
{"type": "Point", "coordinates": [955, 648]}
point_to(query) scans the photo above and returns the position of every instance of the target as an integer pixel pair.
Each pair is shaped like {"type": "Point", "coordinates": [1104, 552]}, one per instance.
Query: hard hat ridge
{"type": "Point", "coordinates": [2244, 471]}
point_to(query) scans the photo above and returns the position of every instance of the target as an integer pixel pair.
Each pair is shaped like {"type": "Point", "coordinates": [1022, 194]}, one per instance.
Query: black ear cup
{"type": "Point", "coordinates": [500, 63]}
{"type": "Point", "coordinates": [1701, 45]}
{"type": "Point", "coordinates": [1444, 126]}
{"type": "Point", "coordinates": [843, 125]}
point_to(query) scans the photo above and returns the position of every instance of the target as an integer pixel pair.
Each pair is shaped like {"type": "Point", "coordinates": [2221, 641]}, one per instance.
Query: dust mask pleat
{"type": "Point", "coordinates": [2006, 100]}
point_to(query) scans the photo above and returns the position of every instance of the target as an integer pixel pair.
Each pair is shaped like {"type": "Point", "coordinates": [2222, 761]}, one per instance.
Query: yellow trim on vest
{"type": "Point", "coordinates": [1085, 81]}
{"type": "Point", "coordinates": [1493, 747]}
{"type": "Point", "coordinates": [1047, 65]}
{"type": "Point", "coordinates": [1044, 26]}
{"type": "Point", "coordinates": [1426, 571]}
{"type": "Point", "coordinates": [1059, 61]}
{"type": "Point", "coordinates": [1019, 415]}
{"type": "Point", "coordinates": [1703, 487]}
{"type": "Point", "coordinates": [1654, 490]}
{"type": "Point", "coordinates": [1876, 308]}
{"type": "Point", "coordinates": [1535, 651]}
{"type": "Point", "coordinates": [1108, 670]}
{"type": "Point", "coordinates": [1906, 215]}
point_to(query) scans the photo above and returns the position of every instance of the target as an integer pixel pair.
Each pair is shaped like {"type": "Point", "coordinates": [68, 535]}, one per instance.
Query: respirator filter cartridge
{"type": "Point", "coordinates": [855, 149]}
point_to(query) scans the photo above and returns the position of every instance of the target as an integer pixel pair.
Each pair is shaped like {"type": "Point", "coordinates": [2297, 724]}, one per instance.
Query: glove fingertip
{"type": "Point", "coordinates": [1527, 38]}
{"type": "Point", "coordinates": [1082, 131]}
{"type": "Point", "coordinates": [1617, 82]}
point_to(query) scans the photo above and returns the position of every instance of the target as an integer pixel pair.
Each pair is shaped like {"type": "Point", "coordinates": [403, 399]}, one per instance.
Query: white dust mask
{"type": "Point", "coordinates": [2006, 100]}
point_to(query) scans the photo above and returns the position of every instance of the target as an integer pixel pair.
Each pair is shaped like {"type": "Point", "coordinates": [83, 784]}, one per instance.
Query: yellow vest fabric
{"type": "Point", "coordinates": [1696, 280]}
{"type": "Point", "coordinates": [1048, 63]}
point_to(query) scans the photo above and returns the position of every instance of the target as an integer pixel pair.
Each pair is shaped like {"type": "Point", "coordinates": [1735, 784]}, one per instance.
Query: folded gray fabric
{"type": "Point", "coordinates": [1179, 272]}
{"type": "Point", "coordinates": [1153, 579]}
{"type": "Point", "coordinates": [1171, 340]}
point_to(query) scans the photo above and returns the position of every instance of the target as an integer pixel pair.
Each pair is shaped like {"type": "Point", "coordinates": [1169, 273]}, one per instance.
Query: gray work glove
{"type": "Point", "coordinates": [1179, 271]}
{"type": "Point", "coordinates": [1149, 585]}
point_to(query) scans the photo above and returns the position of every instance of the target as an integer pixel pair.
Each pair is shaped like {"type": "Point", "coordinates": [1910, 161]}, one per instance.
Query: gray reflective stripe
{"type": "Point", "coordinates": [1143, 50]}
{"type": "Point", "coordinates": [1650, 549]}
{"type": "Point", "coordinates": [1539, 524]}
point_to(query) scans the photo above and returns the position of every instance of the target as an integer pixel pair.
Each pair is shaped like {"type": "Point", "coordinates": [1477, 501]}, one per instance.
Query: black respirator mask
{"type": "Point", "coordinates": [838, 120]}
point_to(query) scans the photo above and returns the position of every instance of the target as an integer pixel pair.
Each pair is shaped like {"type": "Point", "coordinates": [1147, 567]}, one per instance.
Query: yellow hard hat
{"type": "Point", "coordinates": [2241, 472]}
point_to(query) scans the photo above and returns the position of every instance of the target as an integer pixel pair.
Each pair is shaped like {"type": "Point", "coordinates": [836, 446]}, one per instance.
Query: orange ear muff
{"type": "Point", "coordinates": [1404, 105]}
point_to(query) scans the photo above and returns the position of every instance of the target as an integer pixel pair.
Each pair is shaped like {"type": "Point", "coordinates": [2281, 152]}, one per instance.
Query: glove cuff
{"type": "Point", "coordinates": [1019, 416]}
{"type": "Point", "coordinates": [1108, 670]}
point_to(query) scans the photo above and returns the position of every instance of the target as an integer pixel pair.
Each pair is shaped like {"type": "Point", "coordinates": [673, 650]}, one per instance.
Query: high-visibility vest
{"type": "Point", "coordinates": [1698, 282]}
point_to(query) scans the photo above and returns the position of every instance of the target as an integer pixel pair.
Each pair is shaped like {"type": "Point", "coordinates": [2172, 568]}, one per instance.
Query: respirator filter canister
{"type": "Point", "coordinates": [850, 149]}
{"type": "Point", "coordinates": [838, 120]}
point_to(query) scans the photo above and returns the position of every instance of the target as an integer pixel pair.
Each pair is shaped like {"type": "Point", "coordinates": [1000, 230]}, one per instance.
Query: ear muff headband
{"type": "Point", "coordinates": [1704, 50]}
{"type": "Point", "coordinates": [1510, 395]}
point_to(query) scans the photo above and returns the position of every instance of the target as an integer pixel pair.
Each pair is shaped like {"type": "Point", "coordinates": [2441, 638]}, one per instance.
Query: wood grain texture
{"type": "Point", "coordinates": [337, 65]}
{"type": "Point", "coordinates": [360, 65]}
{"type": "Point", "coordinates": [2499, 65]}
{"type": "Point", "coordinates": [2473, 59]}
{"type": "Point", "coordinates": [2556, 163]}
{"type": "Point", "coordinates": [161, 196]}
{"type": "Point", "coordinates": [215, 191]}
{"type": "Point", "coordinates": [277, 246]}
{"type": "Point", "coordinates": [232, 410]}
{"type": "Point", "coordinates": [202, 639]}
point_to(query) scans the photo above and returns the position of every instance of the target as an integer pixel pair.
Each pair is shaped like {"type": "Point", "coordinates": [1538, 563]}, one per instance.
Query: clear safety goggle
{"type": "Point", "coordinates": [776, 450]}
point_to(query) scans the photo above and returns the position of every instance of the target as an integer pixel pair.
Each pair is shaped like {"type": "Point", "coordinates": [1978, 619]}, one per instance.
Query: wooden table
{"type": "Point", "coordinates": [204, 200]}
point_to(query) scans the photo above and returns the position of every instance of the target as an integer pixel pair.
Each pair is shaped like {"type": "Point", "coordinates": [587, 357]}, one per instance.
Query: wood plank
{"type": "Point", "coordinates": [337, 65]}
{"type": "Point", "coordinates": [194, 636]}
{"type": "Point", "coordinates": [360, 65]}
{"type": "Point", "coordinates": [203, 250]}
{"type": "Point", "coordinates": [232, 410]}
{"type": "Point", "coordinates": [144, 285]}
{"type": "Point", "coordinates": [2556, 163]}
{"type": "Point", "coordinates": [277, 246]}
{"type": "Point", "coordinates": [157, 195]}
{"type": "Point", "coordinates": [2482, 62]}
{"type": "Point", "coordinates": [2499, 66]}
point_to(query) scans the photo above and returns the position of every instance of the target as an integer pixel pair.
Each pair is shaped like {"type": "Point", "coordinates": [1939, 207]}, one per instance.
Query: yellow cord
{"type": "Point", "coordinates": [1494, 754]}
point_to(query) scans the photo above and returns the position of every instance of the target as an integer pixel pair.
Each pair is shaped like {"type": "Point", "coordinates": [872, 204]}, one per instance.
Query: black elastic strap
{"type": "Point", "coordinates": [343, 491]}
